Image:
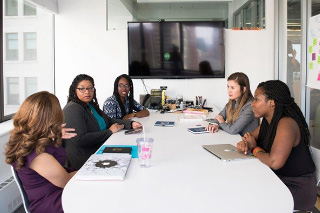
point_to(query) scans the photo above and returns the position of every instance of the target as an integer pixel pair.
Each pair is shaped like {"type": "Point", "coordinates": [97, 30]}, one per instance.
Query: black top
{"type": "Point", "coordinates": [298, 163]}
{"type": "Point", "coordinates": [89, 137]}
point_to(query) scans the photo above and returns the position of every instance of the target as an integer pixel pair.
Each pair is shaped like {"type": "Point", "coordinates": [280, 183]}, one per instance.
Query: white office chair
{"type": "Point", "coordinates": [24, 196]}
{"type": "Point", "coordinates": [316, 158]}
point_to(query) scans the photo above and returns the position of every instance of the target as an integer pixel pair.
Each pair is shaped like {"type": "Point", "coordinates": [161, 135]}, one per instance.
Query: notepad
{"type": "Point", "coordinates": [164, 123]}
{"type": "Point", "coordinates": [134, 152]}
{"type": "Point", "coordinates": [198, 130]}
{"type": "Point", "coordinates": [117, 149]}
{"type": "Point", "coordinates": [104, 167]}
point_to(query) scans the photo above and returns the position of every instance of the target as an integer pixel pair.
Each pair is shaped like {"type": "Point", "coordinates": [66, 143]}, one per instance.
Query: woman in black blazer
{"type": "Point", "coordinates": [92, 126]}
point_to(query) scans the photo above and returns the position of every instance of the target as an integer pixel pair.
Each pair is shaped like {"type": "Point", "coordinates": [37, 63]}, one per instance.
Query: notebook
{"type": "Point", "coordinates": [164, 123]}
{"type": "Point", "coordinates": [134, 152]}
{"type": "Point", "coordinates": [198, 130]}
{"type": "Point", "coordinates": [227, 152]}
{"type": "Point", "coordinates": [117, 149]}
{"type": "Point", "coordinates": [111, 166]}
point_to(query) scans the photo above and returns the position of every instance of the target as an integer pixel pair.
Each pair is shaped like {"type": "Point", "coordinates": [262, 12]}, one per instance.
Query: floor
{"type": "Point", "coordinates": [314, 210]}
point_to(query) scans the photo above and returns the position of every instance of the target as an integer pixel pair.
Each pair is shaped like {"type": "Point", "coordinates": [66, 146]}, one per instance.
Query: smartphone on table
{"type": "Point", "coordinates": [132, 131]}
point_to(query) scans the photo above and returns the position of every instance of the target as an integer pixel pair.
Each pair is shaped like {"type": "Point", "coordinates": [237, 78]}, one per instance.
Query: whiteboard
{"type": "Point", "coordinates": [314, 52]}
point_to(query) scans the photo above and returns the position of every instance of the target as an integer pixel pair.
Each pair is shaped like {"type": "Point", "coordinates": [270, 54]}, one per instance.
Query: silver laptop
{"type": "Point", "coordinates": [227, 152]}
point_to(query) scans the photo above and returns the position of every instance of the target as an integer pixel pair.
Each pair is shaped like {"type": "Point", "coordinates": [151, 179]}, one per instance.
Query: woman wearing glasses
{"type": "Point", "coordinates": [92, 126]}
{"type": "Point", "coordinates": [121, 104]}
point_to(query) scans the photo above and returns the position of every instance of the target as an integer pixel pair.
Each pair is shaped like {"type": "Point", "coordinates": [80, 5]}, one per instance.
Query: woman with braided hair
{"type": "Point", "coordinates": [282, 141]}
{"type": "Point", "coordinates": [121, 104]}
{"type": "Point", "coordinates": [237, 116]}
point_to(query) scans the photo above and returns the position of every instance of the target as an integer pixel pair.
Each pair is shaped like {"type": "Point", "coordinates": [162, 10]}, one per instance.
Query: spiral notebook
{"type": "Point", "coordinates": [164, 123]}
{"type": "Point", "coordinates": [198, 130]}
{"type": "Point", "coordinates": [111, 166]}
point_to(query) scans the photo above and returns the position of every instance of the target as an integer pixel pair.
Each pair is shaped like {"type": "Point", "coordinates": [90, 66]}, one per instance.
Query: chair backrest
{"type": "Point", "coordinates": [24, 196]}
{"type": "Point", "coordinates": [316, 158]}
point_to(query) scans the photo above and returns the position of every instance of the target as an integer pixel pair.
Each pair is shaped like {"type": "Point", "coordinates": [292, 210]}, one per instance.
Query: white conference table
{"type": "Point", "coordinates": [183, 177]}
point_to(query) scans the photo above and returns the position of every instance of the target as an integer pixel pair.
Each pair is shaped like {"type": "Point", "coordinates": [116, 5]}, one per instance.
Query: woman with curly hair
{"type": "Point", "coordinates": [121, 104]}
{"type": "Point", "coordinates": [237, 116]}
{"type": "Point", "coordinates": [34, 150]}
{"type": "Point", "coordinates": [93, 127]}
{"type": "Point", "coordinates": [282, 141]}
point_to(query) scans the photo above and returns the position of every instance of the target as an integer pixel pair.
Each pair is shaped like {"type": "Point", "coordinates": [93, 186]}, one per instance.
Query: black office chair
{"type": "Point", "coordinates": [24, 196]}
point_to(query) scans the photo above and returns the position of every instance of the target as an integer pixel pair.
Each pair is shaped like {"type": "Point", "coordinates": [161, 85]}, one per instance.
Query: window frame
{"type": "Point", "coordinates": [2, 116]}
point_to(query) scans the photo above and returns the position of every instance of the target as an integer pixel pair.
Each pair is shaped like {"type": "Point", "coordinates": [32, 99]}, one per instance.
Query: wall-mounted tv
{"type": "Point", "coordinates": [184, 49]}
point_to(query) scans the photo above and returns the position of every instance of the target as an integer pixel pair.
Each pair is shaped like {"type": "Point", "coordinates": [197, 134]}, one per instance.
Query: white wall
{"type": "Point", "coordinates": [84, 46]}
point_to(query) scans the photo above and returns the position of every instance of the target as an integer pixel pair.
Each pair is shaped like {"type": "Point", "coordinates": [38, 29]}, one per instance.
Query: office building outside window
{"type": "Point", "coordinates": [11, 7]}
{"type": "Point", "coordinates": [12, 46]}
{"type": "Point", "coordinates": [27, 55]}
{"type": "Point", "coordinates": [31, 85]}
{"type": "Point", "coordinates": [13, 91]}
{"type": "Point", "coordinates": [29, 9]}
{"type": "Point", "coordinates": [30, 46]}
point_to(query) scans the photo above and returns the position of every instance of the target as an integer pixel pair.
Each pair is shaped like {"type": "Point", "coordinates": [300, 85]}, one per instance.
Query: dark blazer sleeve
{"type": "Point", "coordinates": [109, 121]}
{"type": "Point", "coordinates": [85, 125]}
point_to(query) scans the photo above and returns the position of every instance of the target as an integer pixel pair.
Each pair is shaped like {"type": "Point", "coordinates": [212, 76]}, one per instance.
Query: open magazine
{"type": "Point", "coordinates": [111, 166]}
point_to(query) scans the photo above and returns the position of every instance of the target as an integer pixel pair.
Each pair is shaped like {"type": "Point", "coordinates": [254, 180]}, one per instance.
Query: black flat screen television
{"type": "Point", "coordinates": [193, 49]}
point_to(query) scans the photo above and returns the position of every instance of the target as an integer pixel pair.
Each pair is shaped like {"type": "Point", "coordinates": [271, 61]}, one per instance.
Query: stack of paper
{"type": "Point", "coordinates": [191, 117]}
{"type": "Point", "coordinates": [104, 167]}
{"type": "Point", "coordinates": [196, 111]}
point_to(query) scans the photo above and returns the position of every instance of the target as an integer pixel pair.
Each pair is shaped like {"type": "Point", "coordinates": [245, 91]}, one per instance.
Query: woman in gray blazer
{"type": "Point", "coordinates": [237, 116]}
{"type": "Point", "coordinates": [92, 126]}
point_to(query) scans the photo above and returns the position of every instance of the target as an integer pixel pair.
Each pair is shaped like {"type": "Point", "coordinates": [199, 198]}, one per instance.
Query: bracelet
{"type": "Point", "coordinates": [257, 150]}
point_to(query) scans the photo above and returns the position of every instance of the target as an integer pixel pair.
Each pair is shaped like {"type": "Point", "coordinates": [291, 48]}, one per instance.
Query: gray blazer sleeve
{"type": "Point", "coordinates": [223, 113]}
{"type": "Point", "coordinates": [245, 118]}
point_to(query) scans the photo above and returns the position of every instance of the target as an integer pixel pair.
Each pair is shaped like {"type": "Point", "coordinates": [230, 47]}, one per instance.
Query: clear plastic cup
{"type": "Point", "coordinates": [144, 151]}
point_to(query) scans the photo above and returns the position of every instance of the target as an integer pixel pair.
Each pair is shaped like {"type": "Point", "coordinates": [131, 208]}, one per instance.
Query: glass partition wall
{"type": "Point", "coordinates": [313, 101]}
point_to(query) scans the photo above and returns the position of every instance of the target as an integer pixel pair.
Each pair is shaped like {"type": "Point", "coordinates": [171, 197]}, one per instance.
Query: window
{"type": "Point", "coordinates": [22, 71]}
{"type": "Point", "coordinates": [31, 85]}
{"type": "Point", "coordinates": [11, 7]}
{"type": "Point", "coordinates": [29, 9]}
{"type": "Point", "coordinates": [13, 91]}
{"type": "Point", "coordinates": [30, 46]}
{"type": "Point", "coordinates": [251, 14]}
{"type": "Point", "coordinates": [11, 46]}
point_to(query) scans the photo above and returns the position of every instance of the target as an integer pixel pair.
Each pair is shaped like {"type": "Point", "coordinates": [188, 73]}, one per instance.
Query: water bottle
{"type": "Point", "coordinates": [181, 105]}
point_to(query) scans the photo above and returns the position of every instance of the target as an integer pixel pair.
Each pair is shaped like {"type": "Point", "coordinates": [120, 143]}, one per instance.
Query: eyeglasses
{"type": "Point", "coordinates": [83, 90]}
{"type": "Point", "coordinates": [121, 85]}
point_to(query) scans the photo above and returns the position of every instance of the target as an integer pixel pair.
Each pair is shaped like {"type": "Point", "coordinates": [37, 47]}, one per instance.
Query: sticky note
{"type": "Point", "coordinates": [313, 56]}
{"type": "Point", "coordinates": [310, 65]}
{"type": "Point", "coordinates": [310, 49]}
{"type": "Point", "coordinates": [318, 77]}
{"type": "Point", "coordinates": [318, 59]}
{"type": "Point", "coordinates": [315, 41]}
